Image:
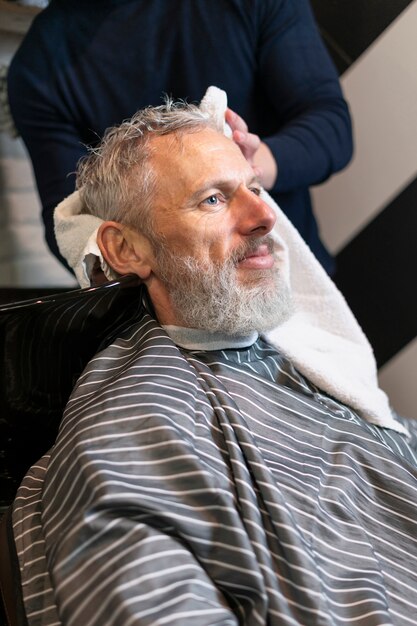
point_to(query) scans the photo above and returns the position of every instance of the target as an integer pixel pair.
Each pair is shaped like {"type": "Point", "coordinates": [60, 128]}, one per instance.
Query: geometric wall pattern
{"type": "Point", "coordinates": [368, 212]}
{"type": "Point", "coordinates": [349, 27]}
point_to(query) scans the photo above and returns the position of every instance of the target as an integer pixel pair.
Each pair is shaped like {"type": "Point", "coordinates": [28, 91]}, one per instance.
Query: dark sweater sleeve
{"type": "Point", "coordinates": [302, 84]}
{"type": "Point", "coordinates": [48, 131]}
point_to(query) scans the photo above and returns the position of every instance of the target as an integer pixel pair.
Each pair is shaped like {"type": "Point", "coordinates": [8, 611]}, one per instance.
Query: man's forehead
{"type": "Point", "coordinates": [196, 154]}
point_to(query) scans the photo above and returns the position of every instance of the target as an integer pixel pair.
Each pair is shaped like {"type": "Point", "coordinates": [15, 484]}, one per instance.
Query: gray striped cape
{"type": "Point", "coordinates": [216, 488]}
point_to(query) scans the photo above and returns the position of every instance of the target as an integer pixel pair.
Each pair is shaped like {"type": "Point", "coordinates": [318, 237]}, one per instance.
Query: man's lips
{"type": "Point", "coordinates": [259, 259]}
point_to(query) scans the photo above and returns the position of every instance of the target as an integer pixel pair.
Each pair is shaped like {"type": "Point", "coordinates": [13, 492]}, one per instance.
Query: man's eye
{"type": "Point", "coordinates": [212, 200]}
{"type": "Point", "coordinates": [255, 190]}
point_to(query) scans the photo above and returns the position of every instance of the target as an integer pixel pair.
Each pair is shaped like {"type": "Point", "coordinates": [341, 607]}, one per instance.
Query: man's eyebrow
{"type": "Point", "coordinates": [219, 183]}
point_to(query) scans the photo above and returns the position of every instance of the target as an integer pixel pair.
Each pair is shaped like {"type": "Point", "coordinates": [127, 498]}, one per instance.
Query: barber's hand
{"type": "Point", "coordinates": [253, 149]}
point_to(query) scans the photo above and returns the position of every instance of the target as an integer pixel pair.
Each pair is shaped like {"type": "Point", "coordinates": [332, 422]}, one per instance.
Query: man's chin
{"type": "Point", "coordinates": [253, 278]}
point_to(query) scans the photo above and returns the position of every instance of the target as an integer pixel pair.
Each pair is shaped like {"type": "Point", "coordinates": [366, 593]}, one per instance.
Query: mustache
{"type": "Point", "coordinates": [250, 246]}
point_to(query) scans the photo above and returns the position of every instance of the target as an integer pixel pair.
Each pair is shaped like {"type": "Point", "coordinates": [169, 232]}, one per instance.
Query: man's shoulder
{"type": "Point", "coordinates": [139, 366]}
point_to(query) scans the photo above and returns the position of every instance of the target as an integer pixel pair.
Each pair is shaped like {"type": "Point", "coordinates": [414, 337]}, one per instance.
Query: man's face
{"type": "Point", "coordinates": [214, 259]}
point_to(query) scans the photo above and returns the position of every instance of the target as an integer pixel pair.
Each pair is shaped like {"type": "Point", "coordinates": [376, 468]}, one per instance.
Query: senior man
{"type": "Point", "coordinates": [199, 477]}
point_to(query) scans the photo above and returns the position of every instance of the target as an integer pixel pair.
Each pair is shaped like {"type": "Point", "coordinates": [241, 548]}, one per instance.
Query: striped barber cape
{"type": "Point", "coordinates": [216, 487]}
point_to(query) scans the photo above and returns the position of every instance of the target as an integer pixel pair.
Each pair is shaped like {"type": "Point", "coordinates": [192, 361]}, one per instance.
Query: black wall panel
{"type": "Point", "coordinates": [349, 26]}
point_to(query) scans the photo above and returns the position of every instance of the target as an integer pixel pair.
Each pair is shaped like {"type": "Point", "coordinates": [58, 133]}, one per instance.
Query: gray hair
{"type": "Point", "coordinates": [116, 180]}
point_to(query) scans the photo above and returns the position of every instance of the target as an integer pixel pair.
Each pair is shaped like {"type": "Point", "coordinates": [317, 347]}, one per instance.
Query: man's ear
{"type": "Point", "coordinates": [125, 250]}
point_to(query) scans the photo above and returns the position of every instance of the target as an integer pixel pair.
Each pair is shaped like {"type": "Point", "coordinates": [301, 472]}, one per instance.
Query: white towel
{"type": "Point", "coordinates": [77, 239]}
{"type": "Point", "coordinates": [322, 338]}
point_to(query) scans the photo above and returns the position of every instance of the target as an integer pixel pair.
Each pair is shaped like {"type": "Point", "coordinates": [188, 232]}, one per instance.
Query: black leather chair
{"type": "Point", "coordinates": [45, 344]}
{"type": "Point", "coordinates": [12, 612]}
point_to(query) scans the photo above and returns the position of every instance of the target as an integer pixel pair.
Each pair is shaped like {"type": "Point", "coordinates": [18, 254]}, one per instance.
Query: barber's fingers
{"type": "Point", "coordinates": [247, 142]}
{"type": "Point", "coordinates": [235, 121]}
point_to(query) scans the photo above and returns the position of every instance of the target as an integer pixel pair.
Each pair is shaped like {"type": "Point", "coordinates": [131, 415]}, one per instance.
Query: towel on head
{"type": "Point", "coordinates": [322, 337]}
{"type": "Point", "coordinates": [76, 234]}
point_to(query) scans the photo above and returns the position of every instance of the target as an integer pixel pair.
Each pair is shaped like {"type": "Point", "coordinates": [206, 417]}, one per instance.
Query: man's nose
{"type": "Point", "coordinates": [254, 215]}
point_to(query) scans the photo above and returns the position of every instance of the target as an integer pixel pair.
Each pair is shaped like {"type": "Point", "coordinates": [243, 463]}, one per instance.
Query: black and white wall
{"type": "Point", "coordinates": [368, 213]}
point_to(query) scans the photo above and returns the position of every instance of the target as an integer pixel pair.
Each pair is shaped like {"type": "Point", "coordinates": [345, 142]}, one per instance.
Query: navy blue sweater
{"type": "Point", "coordinates": [86, 65]}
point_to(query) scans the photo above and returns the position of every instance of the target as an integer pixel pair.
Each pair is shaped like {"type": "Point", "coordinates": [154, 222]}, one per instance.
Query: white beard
{"type": "Point", "coordinates": [210, 296]}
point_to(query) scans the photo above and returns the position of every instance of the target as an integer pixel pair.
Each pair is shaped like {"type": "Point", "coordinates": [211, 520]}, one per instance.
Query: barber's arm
{"type": "Point", "coordinates": [301, 85]}
{"type": "Point", "coordinates": [53, 142]}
